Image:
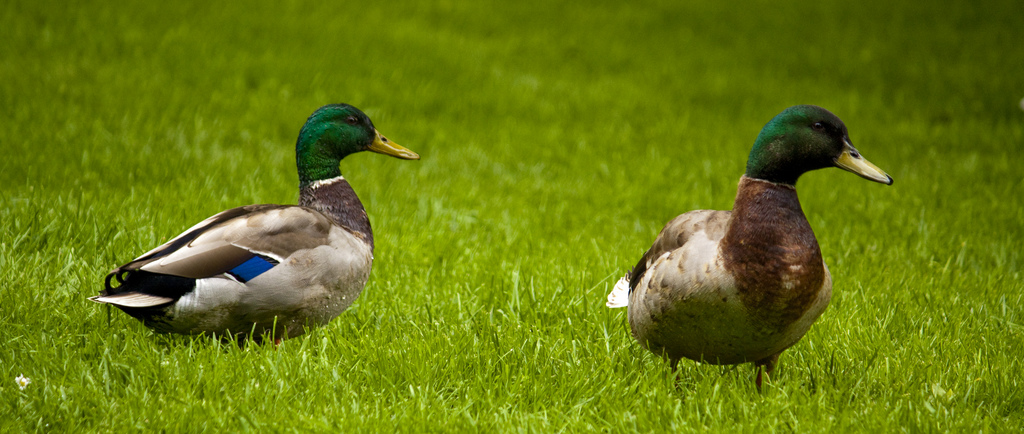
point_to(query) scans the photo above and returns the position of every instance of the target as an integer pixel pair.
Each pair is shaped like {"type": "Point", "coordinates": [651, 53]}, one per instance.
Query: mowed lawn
{"type": "Point", "coordinates": [556, 140]}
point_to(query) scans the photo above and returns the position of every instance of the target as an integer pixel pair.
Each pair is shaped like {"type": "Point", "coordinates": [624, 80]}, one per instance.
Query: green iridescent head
{"type": "Point", "coordinates": [804, 138]}
{"type": "Point", "coordinates": [333, 132]}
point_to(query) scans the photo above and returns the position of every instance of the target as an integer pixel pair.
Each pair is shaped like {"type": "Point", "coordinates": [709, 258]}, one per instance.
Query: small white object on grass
{"type": "Point", "coordinates": [619, 297]}
{"type": "Point", "coordinates": [22, 381]}
{"type": "Point", "coordinates": [1022, 103]}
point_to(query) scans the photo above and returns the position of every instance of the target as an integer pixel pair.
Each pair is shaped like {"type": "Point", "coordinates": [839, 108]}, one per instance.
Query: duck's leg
{"type": "Point", "coordinates": [674, 364]}
{"type": "Point", "coordinates": [769, 367]}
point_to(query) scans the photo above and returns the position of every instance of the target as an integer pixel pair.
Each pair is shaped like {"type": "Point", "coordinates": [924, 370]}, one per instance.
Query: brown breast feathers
{"type": "Point", "coordinates": [770, 250]}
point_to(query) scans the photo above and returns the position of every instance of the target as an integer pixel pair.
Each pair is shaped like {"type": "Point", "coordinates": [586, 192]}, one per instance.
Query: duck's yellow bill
{"type": "Point", "coordinates": [382, 145]}
{"type": "Point", "coordinates": [852, 161]}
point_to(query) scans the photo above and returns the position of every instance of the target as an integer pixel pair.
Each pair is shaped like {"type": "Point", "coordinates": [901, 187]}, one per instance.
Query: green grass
{"type": "Point", "coordinates": [556, 141]}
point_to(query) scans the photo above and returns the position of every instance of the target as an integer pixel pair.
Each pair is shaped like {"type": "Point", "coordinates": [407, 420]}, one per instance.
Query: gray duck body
{"type": "Point", "coordinates": [320, 266]}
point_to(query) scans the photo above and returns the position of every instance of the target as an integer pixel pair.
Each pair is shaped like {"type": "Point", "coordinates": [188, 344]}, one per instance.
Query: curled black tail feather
{"type": "Point", "coordinates": [161, 285]}
{"type": "Point", "coordinates": [118, 274]}
{"type": "Point", "coordinates": [636, 273]}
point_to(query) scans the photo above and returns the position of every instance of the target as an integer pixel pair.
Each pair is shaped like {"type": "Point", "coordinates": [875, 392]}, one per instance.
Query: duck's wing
{"type": "Point", "coordinates": [676, 233]}
{"type": "Point", "coordinates": [242, 242]}
{"type": "Point", "coordinates": [673, 236]}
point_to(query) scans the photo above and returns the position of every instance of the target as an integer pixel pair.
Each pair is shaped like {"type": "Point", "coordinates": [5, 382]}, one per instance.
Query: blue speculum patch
{"type": "Point", "coordinates": [255, 266]}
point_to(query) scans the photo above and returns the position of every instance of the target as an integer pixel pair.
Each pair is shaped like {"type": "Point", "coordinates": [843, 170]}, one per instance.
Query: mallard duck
{"type": "Point", "coordinates": [266, 269]}
{"type": "Point", "coordinates": [728, 287]}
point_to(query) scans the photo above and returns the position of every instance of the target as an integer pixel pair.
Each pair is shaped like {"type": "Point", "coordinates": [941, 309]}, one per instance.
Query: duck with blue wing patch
{"type": "Point", "coordinates": [266, 269]}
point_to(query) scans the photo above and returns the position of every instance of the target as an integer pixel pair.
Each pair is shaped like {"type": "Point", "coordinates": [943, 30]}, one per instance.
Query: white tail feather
{"type": "Point", "coordinates": [132, 299]}
{"type": "Point", "coordinates": [619, 297]}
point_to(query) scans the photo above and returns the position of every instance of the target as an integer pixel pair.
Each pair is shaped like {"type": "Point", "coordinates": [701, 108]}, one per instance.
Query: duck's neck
{"type": "Point", "coordinates": [336, 198]}
{"type": "Point", "coordinates": [771, 251]}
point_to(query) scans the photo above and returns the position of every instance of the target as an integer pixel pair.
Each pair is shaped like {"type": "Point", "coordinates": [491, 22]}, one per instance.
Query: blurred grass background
{"type": "Point", "coordinates": [556, 139]}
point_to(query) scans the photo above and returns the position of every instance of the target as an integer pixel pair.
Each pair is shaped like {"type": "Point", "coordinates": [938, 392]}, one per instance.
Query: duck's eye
{"type": "Point", "coordinates": [351, 120]}
{"type": "Point", "coordinates": [818, 126]}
